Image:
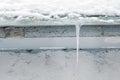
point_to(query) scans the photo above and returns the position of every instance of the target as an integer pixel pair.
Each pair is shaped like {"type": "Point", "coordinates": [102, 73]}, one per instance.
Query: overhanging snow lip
{"type": "Point", "coordinates": [54, 23]}
{"type": "Point", "coordinates": [85, 20]}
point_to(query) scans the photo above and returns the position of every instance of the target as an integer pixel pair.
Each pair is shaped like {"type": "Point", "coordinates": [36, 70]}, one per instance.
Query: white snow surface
{"type": "Point", "coordinates": [44, 10]}
{"type": "Point", "coordinates": [60, 65]}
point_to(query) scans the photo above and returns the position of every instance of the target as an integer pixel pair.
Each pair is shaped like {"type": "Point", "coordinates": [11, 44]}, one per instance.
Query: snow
{"type": "Point", "coordinates": [44, 10]}
{"type": "Point", "coordinates": [60, 65]}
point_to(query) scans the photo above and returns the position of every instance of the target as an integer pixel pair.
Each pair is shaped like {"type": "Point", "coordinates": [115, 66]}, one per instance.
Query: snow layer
{"type": "Point", "coordinates": [60, 65]}
{"type": "Point", "coordinates": [44, 10]}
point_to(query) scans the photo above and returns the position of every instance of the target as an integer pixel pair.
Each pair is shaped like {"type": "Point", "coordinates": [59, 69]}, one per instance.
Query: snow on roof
{"type": "Point", "coordinates": [23, 11]}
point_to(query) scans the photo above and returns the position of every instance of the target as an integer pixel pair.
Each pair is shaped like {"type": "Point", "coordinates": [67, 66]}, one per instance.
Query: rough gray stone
{"type": "Point", "coordinates": [2, 33]}
{"type": "Point", "coordinates": [91, 31]}
{"type": "Point", "coordinates": [60, 31]}
{"type": "Point", "coordinates": [50, 31]}
{"type": "Point", "coordinates": [14, 32]}
{"type": "Point", "coordinates": [112, 30]}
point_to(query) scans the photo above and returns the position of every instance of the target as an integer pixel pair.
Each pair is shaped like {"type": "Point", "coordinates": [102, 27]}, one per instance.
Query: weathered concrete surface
{"type": "Point", "coordinates": [50, 31]}
{"type": "Point", "coordinates": [112, 31]}
{"type": "Point", "coordinates": [70, 31]}
{"type": "Point", "coordinates": [13, 32]}
{"type": "Point", "coordinates": [91, 31]}
{"type": "Point", "coordinates": [60, 31]}
{"type": "Point", "coordinates": [60, 65]}
{"type": "Point", "coordinates": [2, 33]}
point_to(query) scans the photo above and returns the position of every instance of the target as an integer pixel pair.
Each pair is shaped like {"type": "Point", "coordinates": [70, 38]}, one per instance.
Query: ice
{"type": "Point", "coordinates": [78, 26]}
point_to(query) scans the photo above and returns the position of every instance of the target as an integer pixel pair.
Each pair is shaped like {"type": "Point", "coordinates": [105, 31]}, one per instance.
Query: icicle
{"type": "Point", "coordinates": [78, 26]}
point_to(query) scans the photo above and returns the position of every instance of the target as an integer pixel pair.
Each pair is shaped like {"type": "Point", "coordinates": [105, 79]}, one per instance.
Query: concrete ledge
{"type": "Point", "coordinates": [60, 31]}
{"type": "Point", "coordinates": [59, 43]}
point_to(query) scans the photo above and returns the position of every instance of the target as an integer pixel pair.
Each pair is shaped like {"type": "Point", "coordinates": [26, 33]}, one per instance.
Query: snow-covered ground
{"type": "Point", "coordinates": [44, 10]}
{"type": "Point", "coordinates": [60, 65]}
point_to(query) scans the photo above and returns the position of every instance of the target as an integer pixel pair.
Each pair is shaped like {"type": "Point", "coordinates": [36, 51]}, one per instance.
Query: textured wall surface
{"type": "Point", "coordinates": [50, 31]}
{"type": "Point", "coordinates": [14, 32]}
{"type": "Point", "coordinates": [60, 31]}
{"type": "Point", "coordinates": [2, 33]}
{"type": "Point", "coordinates": [60, 65]}
{"type": "Point", "coordinates": [93, 64]}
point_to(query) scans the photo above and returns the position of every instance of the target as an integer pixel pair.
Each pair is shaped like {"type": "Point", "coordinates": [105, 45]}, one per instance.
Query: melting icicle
{"type": "Point", "coordinates": [78, 26]}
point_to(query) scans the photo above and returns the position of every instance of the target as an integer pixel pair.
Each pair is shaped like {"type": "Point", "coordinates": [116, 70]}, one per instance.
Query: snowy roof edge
{"type": "Point", "coordinates": [64, 22]}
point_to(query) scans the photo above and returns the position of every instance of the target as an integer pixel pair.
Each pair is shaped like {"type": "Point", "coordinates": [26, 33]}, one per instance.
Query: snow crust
{"type": "Point", "coordinates": [45, 10]}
